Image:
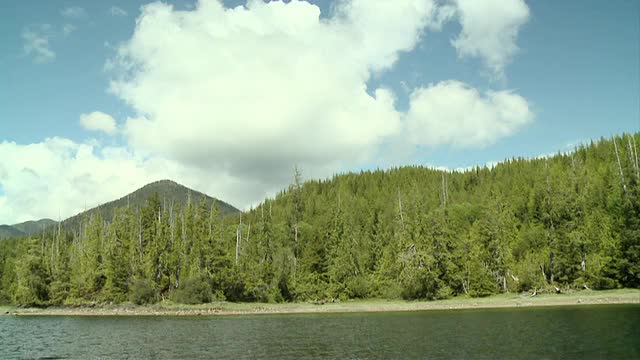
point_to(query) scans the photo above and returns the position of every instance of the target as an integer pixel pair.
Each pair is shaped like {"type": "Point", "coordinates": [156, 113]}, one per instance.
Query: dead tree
{"type": "Point", "coordinates": [576, 188]}
{"type": "Point", "coordinates": [633, 155]}
{"type": "Point", "coordinates": [238, 239]}
{"type": "Point", "coordinates": [248, 232]}
{"type": "Point", "coordinates": [400, 208]}
{"type": "Point", "coordinates": [550, 227]}
{"type": "Point", "coordinates": [445, 190]}
{"type": "Point", "coordinates": [624, 186]}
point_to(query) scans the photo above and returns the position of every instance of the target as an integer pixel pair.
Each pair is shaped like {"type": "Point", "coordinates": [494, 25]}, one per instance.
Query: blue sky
{"type": "Point", "coordinates": [577, 67]}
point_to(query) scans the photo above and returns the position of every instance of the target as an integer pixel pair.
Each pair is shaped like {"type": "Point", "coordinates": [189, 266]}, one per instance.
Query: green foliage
{"type": "Point", "coordinates": [196, 290]}
{"type": "Point", "coordinates": [141, 291]}
{"type": "Point", "coordinates": [30, 287]}
{"type": "Point", "coordinates": [415, 233]}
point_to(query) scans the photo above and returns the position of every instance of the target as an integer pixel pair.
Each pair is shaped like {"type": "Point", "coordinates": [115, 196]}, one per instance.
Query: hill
{"type": "Point", "coordinates": [556, 223]}
{"type": "Point", "coordinates": [167, 190]}
{"type": "Point", "coordinates": [33, 227]}
{"type": "Point", "coordinates": [8, 232]}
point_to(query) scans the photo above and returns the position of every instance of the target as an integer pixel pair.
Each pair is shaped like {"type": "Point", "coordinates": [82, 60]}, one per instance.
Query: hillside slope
{"type": "Point", "coordinates": [9, 232]}
{"type": "Point", "coordinates": [563, 222]}
{"type": "Point", "coordinates": [168, 191]}
{"type": "Point", "coordinates": [33, 227]}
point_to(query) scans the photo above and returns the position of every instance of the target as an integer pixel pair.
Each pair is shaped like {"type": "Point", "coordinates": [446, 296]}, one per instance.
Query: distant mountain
{"type": "Point", "coordinates": [168, 191]}
{"type": "Point", "coordinates": [24, 229]}
{"type": "Point", "coordinates": [33, 227]}
{"type": "Point", "coordinates": [8, 232]}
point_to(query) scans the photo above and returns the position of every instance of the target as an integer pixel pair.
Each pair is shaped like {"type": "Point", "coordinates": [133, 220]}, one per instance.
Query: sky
{"type": "Point", "coordinates": [98, 98]}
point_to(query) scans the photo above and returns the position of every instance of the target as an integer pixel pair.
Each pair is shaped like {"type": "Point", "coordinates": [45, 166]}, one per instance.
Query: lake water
{"type": "Point", "coordinates": [583, 332]}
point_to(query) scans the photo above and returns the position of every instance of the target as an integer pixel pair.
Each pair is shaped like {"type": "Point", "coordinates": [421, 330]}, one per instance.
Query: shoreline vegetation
{"type": "Point", "coordinates": [509, 300]}
{"type": "Point", "coordinates": [560, 223]}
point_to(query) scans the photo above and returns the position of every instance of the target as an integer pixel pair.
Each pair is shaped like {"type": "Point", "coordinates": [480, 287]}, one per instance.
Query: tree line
{"type": "Point", "coordinates": [570, 220]}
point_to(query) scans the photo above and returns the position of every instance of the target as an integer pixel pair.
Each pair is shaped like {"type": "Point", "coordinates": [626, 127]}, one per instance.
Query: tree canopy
{"type": "Point", "coordinates": [568, 220]}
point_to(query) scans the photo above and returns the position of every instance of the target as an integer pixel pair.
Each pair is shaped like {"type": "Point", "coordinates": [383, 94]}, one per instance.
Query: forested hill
{"type": "Point", "coordinates": [33, 227]}
{"type": "Point", "coordinates": [566, 221]}
{"type": "Point", "coordinates": [168, 191]}
{"type": "Point", "coordinates": [8, 232]}
{"type": "Point", "coordinates": [24, 229]}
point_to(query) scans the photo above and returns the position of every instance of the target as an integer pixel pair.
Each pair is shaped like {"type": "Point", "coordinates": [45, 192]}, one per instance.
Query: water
{"type": "Point", "coordinates": [585, 332]}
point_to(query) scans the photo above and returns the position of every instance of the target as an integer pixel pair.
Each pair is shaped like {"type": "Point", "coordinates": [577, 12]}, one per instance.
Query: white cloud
{"type": "Point", "coordinates": [67, 29]}
{"type": "Point", "coordinates": [253, 91]}
{"type": "Point", "coordinates": [98, 121]}
{"type": "Point", "coordinates": [490, 30]}
{"type": "Point", "coordinates": [117, 11]}
{"type": "Point", "coordinates": [73, 12]}
{"type": "Point", "coordinates": [227, 101]}
{"type": "Point", "coordinates": [36, 43]}
{"type": "Point", "coordinates": [58, 178]}
{"type": "Point", "coordinates": [453, 113]}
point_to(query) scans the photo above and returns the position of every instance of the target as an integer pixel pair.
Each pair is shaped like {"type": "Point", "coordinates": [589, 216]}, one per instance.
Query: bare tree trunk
{"type": "Point", "coordinates": [583, 264]}
{"type": "Point", "coordinates": [140, 236]}
{"type": "Point", "coordinates": [615, 146]}
{"type": "Point", "coordinates": [465, 284]}
{"type": "Point", "coordinates": [211, 221]}
{"type": "Point", "coordinates": [550, 229]}
{"type": "Point", "coordinates": [238, 239]}
{"type": "Point", "coordinates": [295, 252]}
{"type": "Point", "coordinates": [183, 239]}
{"type": "Point", "coordinates": [237, 244]}
{"type": "Point", "coordinates": [633, 154]}
{"type": "Point", "coordinates": [444, 195]}
{"type": "Point", "coordinates": [57, 240]}
{"type": "Point", "coordinates": [171, 222]}
{"type": "Point", "coordinates": [400, 207]}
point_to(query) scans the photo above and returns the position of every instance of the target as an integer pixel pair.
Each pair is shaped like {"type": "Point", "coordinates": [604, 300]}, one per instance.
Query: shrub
{"type": "Point", "coordinates": [141, 292]}
{"type": "Point", "coordinates": [196, 290]}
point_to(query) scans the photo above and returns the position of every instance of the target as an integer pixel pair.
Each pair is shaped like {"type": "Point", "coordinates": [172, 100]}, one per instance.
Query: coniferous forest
{"type": "Point", "coordinates": [568, 221]}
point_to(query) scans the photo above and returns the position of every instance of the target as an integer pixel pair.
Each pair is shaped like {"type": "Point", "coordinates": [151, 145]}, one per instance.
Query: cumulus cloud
{"type": "Point", "coordinates": [227, 101]}
{"type": "Point", "coordinates": [452, 112]}
{"type": "Point", "coordinates": [490, 30]}
{"type": "Point", "coordinates": [98, 121]}
{"type": "Point", "coordinates": [36, 43]}
{"type": "Point", "coordinates": [254, 90]}
{"type": "Point", "coordinates": [73, 12]}
{"type": "Point", "coordinates": [58, 178]}
{"type": "Point", "coordinates": [117, 11]}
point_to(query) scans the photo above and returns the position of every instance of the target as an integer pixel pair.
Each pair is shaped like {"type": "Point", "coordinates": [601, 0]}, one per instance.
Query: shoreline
{"type": "Point", "coordinates": [588, 297]}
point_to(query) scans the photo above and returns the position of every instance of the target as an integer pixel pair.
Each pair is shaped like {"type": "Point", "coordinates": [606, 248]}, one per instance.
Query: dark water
{"type": "Point", "coordinates": [601, 332]}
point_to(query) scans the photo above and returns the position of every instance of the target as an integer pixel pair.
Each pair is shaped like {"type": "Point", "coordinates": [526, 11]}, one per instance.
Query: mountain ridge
{"type": "Point", "coordinates": [168, 190]}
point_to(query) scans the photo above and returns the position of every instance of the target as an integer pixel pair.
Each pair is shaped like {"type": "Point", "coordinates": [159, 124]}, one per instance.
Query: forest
{"type": "Point", "coordinates": [567, 221]}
